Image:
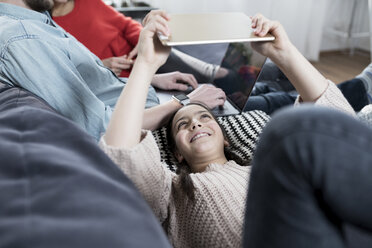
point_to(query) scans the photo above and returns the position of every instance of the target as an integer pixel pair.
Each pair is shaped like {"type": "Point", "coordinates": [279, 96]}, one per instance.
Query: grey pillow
{"type": "Point", "coordinates": [242, 131]}
{"type": "Point", "coordinates": [58, 189]}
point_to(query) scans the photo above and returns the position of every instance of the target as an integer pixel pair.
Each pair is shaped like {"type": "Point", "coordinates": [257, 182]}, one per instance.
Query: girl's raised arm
{"type": "Point", "coordinates": [124, 129]}
{"type": "Point", "coordinates": [307, 80]}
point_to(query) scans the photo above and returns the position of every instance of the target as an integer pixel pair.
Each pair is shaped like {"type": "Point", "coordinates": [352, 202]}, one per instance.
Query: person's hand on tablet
{"type": "Point", "coordinates": [209, 95]}
{"type": "Point", "coordinates": [150, 50]}
{"type": "Point", "coordinates": [307, 80]}
{"type": "Point", "coordinates": [272, 49]}
{"type": "Point", "coordinates": [174, 81]}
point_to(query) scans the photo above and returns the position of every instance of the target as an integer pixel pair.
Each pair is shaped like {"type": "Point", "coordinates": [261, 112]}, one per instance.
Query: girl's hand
{"type": "Point", "coordinates": [150, 50]}
{"type": "Point", "coordinates": [272, 49]}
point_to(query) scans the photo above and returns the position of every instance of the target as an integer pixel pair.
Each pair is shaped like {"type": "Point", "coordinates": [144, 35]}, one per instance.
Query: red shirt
{"type": "Point", "coordinates": [104, 31]}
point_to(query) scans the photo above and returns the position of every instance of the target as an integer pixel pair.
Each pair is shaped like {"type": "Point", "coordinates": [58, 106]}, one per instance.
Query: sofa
{"type": "Point", "coordinates": [58, 189]}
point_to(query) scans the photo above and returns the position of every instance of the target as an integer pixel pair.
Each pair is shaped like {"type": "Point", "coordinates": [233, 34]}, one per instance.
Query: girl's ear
{"type": "Point", "coordinates": [226, 143]}
{"type": "Point", "coordinates": [178, 156]}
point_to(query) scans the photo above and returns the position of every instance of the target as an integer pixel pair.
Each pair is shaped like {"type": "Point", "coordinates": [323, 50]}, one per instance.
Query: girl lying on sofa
{"type": "Point", "coordinates": [204, 205]}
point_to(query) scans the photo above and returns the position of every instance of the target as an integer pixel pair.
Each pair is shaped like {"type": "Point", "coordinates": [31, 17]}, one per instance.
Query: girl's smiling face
{"type": "Point", "coordinates": [197, 136]}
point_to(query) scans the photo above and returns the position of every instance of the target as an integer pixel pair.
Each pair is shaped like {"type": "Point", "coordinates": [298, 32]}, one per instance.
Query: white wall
{"type": "Point", "coordinates": [303, 19]}
{"type": "Point", "coordinates": [199, 6]}
{"type": "Point", "coordinates": [339, 17]}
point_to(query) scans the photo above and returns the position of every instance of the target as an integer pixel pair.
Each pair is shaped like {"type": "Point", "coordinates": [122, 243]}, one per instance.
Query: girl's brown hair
{"type": "Point", "coordinates": [183, 169]}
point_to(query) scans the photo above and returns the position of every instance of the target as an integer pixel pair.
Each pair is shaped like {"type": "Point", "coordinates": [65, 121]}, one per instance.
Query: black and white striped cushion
{"type": "Point", "coordinates": [242, 131]}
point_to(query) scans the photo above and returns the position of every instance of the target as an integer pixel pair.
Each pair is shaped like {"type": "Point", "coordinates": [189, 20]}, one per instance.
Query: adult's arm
{"type": "Point", "coordinates": [51, 75]}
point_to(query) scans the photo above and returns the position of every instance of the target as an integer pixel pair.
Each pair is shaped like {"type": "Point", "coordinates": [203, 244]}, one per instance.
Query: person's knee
{"type": "Point", "coordinates": [282, 151]}
{"type": "Point", "coordinates": [289, 120]}
{"type": "Point", "coordinates": [291, 128]}
{"type": "Point", "coordinates": [305, 118]}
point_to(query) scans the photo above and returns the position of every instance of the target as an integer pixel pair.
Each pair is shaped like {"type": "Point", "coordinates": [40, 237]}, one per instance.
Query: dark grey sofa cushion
{"type": "Point", "coordinates": [58, 189]}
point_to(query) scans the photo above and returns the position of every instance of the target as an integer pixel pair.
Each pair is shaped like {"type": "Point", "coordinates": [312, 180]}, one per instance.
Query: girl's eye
{"type": "Point", "coordinates": [205, 116]}
{"type": "Point", "coordinates": [181, 125]}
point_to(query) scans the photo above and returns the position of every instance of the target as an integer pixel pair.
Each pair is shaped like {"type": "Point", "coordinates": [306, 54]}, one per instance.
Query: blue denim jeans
{"type": "Point", "coordinates": [311, 175]}
{"type": "Point", "coordinates": [355, 93]}
{"type": "Point", "coordinates": [269, 100]}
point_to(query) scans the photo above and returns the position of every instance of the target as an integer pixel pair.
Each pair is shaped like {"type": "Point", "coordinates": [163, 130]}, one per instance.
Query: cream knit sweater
{"type": "Point", "coordinates": [216, 217]}
{"type": "Point", "coordinates": [333, 98]}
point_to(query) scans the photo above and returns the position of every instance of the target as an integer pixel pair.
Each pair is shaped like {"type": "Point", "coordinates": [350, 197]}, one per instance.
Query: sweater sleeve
{"type": "Point", "coordinates": [132, 30]}
{"type": "Point", "coordinates": [332, 97]}
{"type": "Point", "coordinates": [142, 165]}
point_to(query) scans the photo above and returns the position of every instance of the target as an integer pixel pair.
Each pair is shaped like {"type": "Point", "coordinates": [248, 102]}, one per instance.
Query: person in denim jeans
{"type": "Point", "coordinates": [311, 175]}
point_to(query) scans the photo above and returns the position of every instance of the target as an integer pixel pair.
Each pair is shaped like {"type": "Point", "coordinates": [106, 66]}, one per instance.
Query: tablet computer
{"type": "Point", "coordinates": [193, 29]}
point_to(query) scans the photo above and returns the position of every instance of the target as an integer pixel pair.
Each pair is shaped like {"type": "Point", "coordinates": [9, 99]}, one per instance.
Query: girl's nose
{"type": "Point", "coordinates": [195, 124]}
